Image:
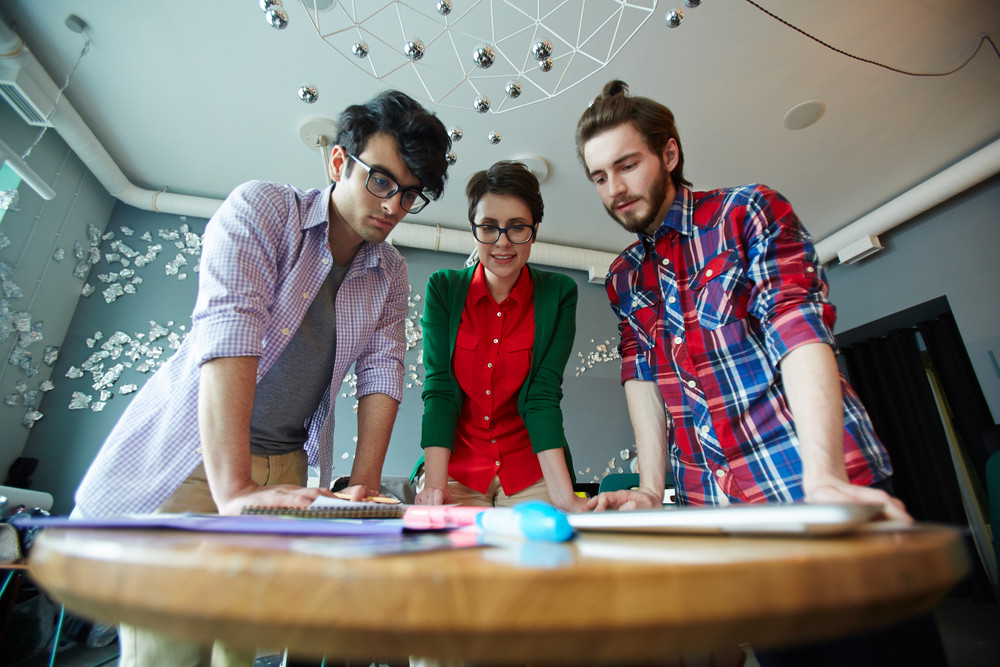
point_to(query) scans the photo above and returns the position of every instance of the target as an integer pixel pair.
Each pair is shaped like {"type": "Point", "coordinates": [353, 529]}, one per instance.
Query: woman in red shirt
{"type": "Point", "coordinates": [497, 337]}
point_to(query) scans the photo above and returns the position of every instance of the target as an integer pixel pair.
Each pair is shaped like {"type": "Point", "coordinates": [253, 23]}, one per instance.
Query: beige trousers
{"type": "Point", "coordinates": [495, 496]}
{"type": "Point", "coordinates": [145, 648]}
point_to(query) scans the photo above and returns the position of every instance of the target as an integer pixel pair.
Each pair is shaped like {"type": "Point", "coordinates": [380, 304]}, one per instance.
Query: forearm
{"type": "Point", "coordinates": [649, 422]}
{"type": "Point", "coordinates": [376, 416]}
{"type": "Point", "coordinates": [436, 467]}
{"type": "Point", "coordinates": [225, 402]}
{"type": "Point", "coordinates": [812, 386]}
{"type": "Point", "coordinates": [557, 477]}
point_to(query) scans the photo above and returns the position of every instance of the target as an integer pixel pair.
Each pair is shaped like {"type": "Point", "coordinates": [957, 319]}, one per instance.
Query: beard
{"type": "Point", "coordinates": [634, 222]}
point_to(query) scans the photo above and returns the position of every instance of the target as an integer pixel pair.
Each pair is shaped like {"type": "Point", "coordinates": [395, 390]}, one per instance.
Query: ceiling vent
{"type": "Point", "coordinates": [19, 91]}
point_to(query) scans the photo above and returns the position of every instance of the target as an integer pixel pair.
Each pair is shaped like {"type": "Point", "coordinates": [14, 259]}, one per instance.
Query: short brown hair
{"type": "Point", "coordinates": [506, 178]}
{"type": "Point", "coordinates": [614, 106]}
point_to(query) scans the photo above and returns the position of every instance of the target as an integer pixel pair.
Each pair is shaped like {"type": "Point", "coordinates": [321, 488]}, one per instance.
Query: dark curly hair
{"type": "Point", "coordinates": [421, 138]}
{"type": "Point", "coordinates": [506, 178]}
{"type": "Point", "coordinates": [614, 106]}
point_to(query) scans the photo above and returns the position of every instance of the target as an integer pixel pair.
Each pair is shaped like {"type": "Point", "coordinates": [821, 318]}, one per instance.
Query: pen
{"type": "Point", "coordinates": [532, 520]}
{"type": "Point", "coordinates": [434, 517]}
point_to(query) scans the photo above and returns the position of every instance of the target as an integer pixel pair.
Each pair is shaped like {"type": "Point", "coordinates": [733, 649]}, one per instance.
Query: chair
{"type": "Point", "coordinates": [630, 480]}
{"type": "Point", "coordinates": [619, 481]}
{"type": "Point", "coordinates": [13, 559]}
{"type": "Point", "coordinates": [993, 493]}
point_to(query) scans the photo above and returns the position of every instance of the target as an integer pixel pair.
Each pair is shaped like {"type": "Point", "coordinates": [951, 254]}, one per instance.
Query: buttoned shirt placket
{"type": "Point", "coordinates": [665, 254]}
{"type": "Point", "coordinates": [493, 334]}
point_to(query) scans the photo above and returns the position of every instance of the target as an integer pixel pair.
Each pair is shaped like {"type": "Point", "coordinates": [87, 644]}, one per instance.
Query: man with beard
{"type": "Point", "coordinates": [724, 321]}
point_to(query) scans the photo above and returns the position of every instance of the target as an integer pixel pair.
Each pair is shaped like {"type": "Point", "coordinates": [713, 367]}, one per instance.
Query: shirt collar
{"type": "Point", "coordinates": [679, 218]}
{"type": "Point", "coordinates": [318, 212]}
{"type": "Point", "coordinates": [521, 294]}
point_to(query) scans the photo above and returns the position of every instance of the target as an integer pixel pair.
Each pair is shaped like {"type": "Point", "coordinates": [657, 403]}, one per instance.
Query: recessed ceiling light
{"type": "Point", "coordinates": [803, 115]}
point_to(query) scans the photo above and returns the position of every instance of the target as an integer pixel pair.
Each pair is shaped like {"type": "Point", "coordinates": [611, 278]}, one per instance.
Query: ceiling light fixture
{"type": "Point", "coordinates": [26, 173]}
{"type": "Point", "coordinates": [476, 50]}
{"type": "Point", "coordinates": [319, 134]}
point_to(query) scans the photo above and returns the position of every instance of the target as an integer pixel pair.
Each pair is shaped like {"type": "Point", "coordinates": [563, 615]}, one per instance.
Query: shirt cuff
{"type": "Point", "coordinates": [230, 337]}
{"type": "Point", "coordinates": [799, 326]}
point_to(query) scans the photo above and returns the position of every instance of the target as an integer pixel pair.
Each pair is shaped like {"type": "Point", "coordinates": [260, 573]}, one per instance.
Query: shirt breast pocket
{"type": "Point", "coordinates": [721, 291]}
{"type": "Point", "coordinates": [466, 340]}
{"type": "Point", "coordinates": [644, 314]}
{"type": "Point", "coordinates": [520, 343]}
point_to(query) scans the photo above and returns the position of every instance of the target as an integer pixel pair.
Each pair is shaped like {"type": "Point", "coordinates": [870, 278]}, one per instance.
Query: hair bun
{"type": "Point", "coordinates": [616, 87]}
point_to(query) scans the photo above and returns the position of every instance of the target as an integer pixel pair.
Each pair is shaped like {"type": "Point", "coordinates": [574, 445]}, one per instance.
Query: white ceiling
{"type": "Point", "coordinates": [197, 97]}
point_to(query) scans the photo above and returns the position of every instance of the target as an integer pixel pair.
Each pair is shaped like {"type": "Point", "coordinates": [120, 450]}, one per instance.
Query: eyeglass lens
{"type": "Point", "coordinates": [383, 187]}
{"type": "Point", "coordinates": [491, 233]}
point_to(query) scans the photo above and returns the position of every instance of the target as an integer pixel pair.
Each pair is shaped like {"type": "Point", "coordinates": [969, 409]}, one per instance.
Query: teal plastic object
{"type": "Point", "coordinates": [993, 493]}
{"type": "Point", "coordinates": [530, 520]}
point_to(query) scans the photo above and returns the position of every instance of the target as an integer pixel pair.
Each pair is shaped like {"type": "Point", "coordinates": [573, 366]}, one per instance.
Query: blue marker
{"type": "Point", "coordinates": [532, 520]}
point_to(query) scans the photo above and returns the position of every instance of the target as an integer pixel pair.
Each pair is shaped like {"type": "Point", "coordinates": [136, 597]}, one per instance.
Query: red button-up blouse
{"type": "Point", "coordinates": [491, 362]}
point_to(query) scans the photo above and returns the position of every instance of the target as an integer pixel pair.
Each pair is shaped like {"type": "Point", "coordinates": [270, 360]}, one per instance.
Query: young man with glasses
{"type": "Point", "coordinates": [497, 337]}
{"type": "Point", "coordinates": [295, 287]}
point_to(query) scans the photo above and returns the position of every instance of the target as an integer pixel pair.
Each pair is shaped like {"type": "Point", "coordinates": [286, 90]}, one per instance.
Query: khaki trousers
{"type": "Point", "coordinates": [495, 496]}
{"type": "Point", "coordinates": [146, 648]}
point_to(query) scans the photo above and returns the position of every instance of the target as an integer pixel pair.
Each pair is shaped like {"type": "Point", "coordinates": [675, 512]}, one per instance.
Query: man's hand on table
{"type": "Point", "coordinates": [356, 493]}
{"type": "Point", "coordinates": [627, 500]}
{"type": "Point", "coordinates": [281, 495]}
{"type": "Point", "coordinates": [839, 491]}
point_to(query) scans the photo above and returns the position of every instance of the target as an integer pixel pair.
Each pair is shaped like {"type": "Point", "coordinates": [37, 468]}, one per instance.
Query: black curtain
{"type": "Point", "coordinates": [888, 374]}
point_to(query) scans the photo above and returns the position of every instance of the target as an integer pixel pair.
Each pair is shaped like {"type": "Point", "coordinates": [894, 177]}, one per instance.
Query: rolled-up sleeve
{"type": "Point", "coordinates": [789, 295]}
{"type": "Point", "coordinates": [617, 285]}
{"type": "Point", "coordinates": [237, 273]}
{"type": "Point", "coordinates": [380, 365]}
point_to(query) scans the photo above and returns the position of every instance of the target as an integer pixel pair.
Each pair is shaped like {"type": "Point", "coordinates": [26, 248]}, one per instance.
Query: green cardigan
{"type": "Point", "coordinates": [555, 297]}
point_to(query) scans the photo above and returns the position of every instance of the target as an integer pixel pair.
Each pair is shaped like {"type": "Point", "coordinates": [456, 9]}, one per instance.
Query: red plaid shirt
{"type": "Point", "coordinates": [708, 306]}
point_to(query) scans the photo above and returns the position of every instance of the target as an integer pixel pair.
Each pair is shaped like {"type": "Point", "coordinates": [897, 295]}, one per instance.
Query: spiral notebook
{"type": "Point", "coordinates": [354, 511]}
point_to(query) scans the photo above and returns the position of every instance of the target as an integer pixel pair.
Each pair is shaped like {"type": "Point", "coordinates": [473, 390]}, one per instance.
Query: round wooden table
{"type": "Point", "coordinates": [598, 598]}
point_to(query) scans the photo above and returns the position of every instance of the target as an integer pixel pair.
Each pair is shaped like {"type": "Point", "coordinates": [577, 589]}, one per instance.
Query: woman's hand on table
{"type": "Point", "coordinates": [574, 503]}
{"type": "Point", "coordinates": [433, 496]}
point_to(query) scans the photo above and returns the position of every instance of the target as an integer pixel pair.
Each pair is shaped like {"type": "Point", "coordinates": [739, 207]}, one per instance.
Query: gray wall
{"type": "Point", "coordinates": [50, 292]}
{"type": "Point", "coordinates": [952, 251]}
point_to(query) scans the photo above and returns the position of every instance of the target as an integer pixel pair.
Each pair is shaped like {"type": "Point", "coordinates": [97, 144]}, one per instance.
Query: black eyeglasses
{"type": "Point", "coordinates": [383, 186]}
{"type": "Point", "coordinates": [515, 233]}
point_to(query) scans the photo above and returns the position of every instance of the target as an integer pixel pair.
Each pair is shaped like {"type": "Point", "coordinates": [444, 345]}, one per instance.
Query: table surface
{"type": "Point", "coordinates": [600, 597]}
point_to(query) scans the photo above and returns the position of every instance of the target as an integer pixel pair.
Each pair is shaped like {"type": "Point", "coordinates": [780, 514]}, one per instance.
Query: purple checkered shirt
{"type": "Point", "coordinates": [264, 258]}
